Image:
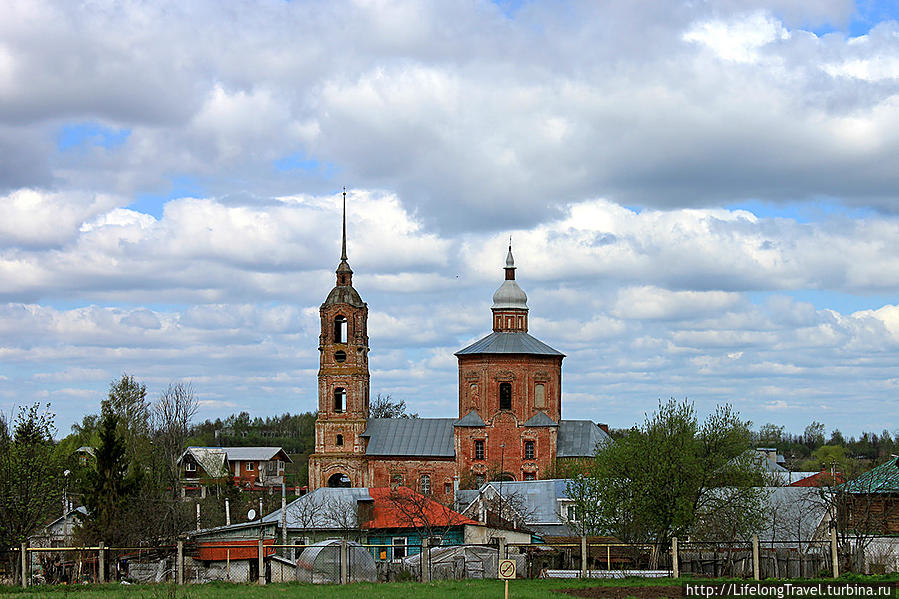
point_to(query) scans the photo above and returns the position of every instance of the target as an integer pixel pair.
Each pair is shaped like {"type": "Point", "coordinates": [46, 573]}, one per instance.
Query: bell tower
{"type": "Point", "coordinates": [343, 383]}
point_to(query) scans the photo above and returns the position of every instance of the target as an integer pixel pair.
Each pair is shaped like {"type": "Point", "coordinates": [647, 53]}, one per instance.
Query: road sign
{"type": "Point", "coordinates": [507, 569]}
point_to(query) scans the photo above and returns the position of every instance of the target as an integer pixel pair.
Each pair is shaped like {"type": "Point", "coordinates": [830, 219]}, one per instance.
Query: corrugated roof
{"type": "Point", "coordinates": [537, 498]}
{"type": "Point", "coordinates": [410, 437]}
{"type": "Point", "coordinates": [404, 508]}
{"type": "Point", "coordinates": [323, 508]}
{"type": "Point", "coordinates": [579, 438]}
{"type": "Point", "coordinates": [882, 479]}
{"type": "Point", "coordinates": [509, 343]}
{"type": "Point", "coordinates": [252, 453]}
{"type": "Point", "coordinates": [210, 459]}
{"type": "Point", "coordinates": [540, 419]}
{"type": "Point", "coordinates": [470, 419]}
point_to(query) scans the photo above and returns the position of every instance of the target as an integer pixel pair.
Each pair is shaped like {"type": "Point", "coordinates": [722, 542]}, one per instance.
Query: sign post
{"type": "Point", "coordinates": [507, 572]}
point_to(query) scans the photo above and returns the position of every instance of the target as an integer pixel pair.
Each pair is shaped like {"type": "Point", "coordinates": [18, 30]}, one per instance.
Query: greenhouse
{"type": "Point", "coordinates": [320, 563]}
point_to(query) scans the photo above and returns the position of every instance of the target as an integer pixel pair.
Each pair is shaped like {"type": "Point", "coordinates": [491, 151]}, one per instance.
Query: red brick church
{"type": "Point", "coordinates": [510, 406]}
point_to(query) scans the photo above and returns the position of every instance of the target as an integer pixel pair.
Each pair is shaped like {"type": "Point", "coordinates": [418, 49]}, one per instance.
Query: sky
{"type": "Point", "coordinates": [701, 196]}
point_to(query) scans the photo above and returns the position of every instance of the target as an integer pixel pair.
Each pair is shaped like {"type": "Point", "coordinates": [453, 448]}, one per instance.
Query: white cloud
{"type": "Point", "coordinates": [740, 38]}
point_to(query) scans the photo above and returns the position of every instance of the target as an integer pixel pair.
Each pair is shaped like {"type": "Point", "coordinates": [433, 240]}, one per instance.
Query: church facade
{"type": "Point", "coordinates": [509, 424]}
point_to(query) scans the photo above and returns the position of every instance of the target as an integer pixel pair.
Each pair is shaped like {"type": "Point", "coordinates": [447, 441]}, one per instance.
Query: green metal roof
{"type": "Point", "coordinates": [882, 479]}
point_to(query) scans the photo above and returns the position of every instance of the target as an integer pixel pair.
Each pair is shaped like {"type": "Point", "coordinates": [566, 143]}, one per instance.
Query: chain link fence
{"type": "Point", "coordinates": [336, 561]}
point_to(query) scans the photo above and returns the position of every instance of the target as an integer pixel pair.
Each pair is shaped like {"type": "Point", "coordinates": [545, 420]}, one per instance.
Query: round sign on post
{"type": "Point", "coordinates": [507, 569]}
{"type": "Point", "coordinates": [506, 572]}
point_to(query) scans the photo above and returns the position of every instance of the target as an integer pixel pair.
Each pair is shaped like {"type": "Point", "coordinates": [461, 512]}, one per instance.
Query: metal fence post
{"type": "Point", "coordinates": [25, 573]}
{"type": "Point", "coordinates": [261, 557]}
{"type": "Point", "coordinates": [755, 557]}
{"type": "Point", "coordinates": [179, 564]}
{"type": "Point", "coordinates": [833, 553]}
{"type": "Point", "coordinates": [675, 567]}
{"type": "Point", "coordinates": [101, 575]}
{"type": "Point", "coordinates": [425, 560]}
{"type": "Point", "coordinates": [583, 557]}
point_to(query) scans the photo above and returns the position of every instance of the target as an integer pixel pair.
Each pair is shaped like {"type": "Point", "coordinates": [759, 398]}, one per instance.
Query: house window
{"type": "Point", "coordinates": [529, 450]}
{"type": "Point", "coordinates": [396, 480]}
{"type": "Point", "coordinates": [399, 547]}
{"type": "Point", "coordinates": [479, 450]}
{"type": "Point", "coordinates": [190, 467]}
{"type": "Point", "coordinates": [251, 466]}
{"type": "Point", "coordinates": [339, 399]}
{"type": "Point", "coordinates": [339, 440]}
{"type": "Point", "coordinates": [571, 514]}
{"type": "Point", "coordinates": [539, 395]}
{"type": "Point", "coordinates": [530, 476]}
{"type": "Point", "coordinates": [505, 396]}
{"type": "Point", "coordinates": [447, 488]}
{"type": "Point", "coordinates": [424, 484]}
{"type": "Point", "coordinates": [340, 329]}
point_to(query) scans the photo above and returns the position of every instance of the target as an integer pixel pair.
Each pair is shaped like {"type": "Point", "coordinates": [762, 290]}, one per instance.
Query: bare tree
{"type": "Point", "coordinates": [171, 417]}
{"type": "Point", "coordinates": [427, 516]}
{"type": "Point", "coordinates": [384, 407]}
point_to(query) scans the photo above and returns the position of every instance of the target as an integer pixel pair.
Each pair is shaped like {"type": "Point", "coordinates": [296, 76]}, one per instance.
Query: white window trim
{"type": "Point", "coordinates": [394, 545]}
{"type": "Point", "coordinates": [250, 466]}
{"type": "Point", "coordinates": [190, 467]}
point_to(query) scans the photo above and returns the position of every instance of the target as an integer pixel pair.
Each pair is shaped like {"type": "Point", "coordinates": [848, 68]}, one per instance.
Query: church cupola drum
{"type": "Point", "coordinates": [343, 382]}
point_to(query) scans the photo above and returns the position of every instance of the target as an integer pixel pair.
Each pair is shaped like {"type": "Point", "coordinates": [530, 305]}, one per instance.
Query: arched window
{"type": "Point", "coordinates": [539, 395]}
{"type": "Point", "coordinates": [505, 396]}
{"type": "Point", "coordinates": [339, 480]}
{"type": "Point", "coordinates": [339, 399]}
{"type": "Point", "coordinates": [339, 440]}
{"type": "Point", "coordinates": [529, 450]}
{"type": "Point", "coordinates": [424, 484]}
{"type": "Point", "coordinates": [340, 329]}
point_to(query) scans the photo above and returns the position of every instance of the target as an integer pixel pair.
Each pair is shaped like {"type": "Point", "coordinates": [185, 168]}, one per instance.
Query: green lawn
{"type": "Point", "coordinates": [467, 589]}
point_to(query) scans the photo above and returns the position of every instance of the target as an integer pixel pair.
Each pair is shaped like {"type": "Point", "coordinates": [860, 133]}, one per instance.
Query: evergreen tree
{"type": "Point", "coordinates": [109, 485]}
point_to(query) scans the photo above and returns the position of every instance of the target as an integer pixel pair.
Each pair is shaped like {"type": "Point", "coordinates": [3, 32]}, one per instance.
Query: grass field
{"type": "Point", "coordinates": [467, 589]}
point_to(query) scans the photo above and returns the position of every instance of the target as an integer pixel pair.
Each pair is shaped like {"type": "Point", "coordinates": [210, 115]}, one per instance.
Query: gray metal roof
{"type": "Point", "coordinates": [323, 508]}
{"type": "Point", "coordinates": [791, 513]}
{"type": "Point", "coordinates": [410, 437]}
{"type": "Point", "coordinates": [470, 419]}
{"type": "Point", "coordinates": [211, 459]}
{"type": "Point", "coordinates": [540, 419]}
{"type": "Point", "coordinates": [252, 453]}
{"type": "Point", "coordinates": [509, 343]}
{"type": "Point", "coordinates": [538, 499]}
{"type": "Point", "coordinates": [579, 438]}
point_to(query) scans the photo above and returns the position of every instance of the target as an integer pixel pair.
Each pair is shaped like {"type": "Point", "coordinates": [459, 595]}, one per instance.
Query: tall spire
{"type": "Point", "coordinates": [344, 272]}
{"type": "Point", "coordinates": [343, 251]}
{"type": "Point", "coordinates": [510, 263]}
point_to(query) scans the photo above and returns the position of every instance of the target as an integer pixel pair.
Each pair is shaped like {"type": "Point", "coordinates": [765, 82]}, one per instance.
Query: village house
{"type": "Point", "coordinates": [252, 468]}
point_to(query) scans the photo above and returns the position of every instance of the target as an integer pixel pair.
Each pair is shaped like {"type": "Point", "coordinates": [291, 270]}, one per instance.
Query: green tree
{"type": "Point", "coordinates": [127, 399]}
{"type": "Point", "coordinates": [30, 474]}
{"type": "Point", "coordinates": [110, 485]}
{"type": "Point", "coordinates": [828, 457]}
{"type": "Point", "coordinates": [663, 478]}
{"type": "Point", "coordinates": [814, 435]}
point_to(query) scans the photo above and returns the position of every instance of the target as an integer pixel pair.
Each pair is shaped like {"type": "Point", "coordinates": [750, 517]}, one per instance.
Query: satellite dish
{"type": "Point", "coordinates": [251, 515]}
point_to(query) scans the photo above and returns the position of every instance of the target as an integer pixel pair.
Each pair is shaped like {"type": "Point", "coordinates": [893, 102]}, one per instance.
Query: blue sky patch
{"type": "Point", "coordinates": [93, 134]}
{"type": "Point", "coordinates": [182, 186]}
{"type": "Point", "coordinates": [868, 13]}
